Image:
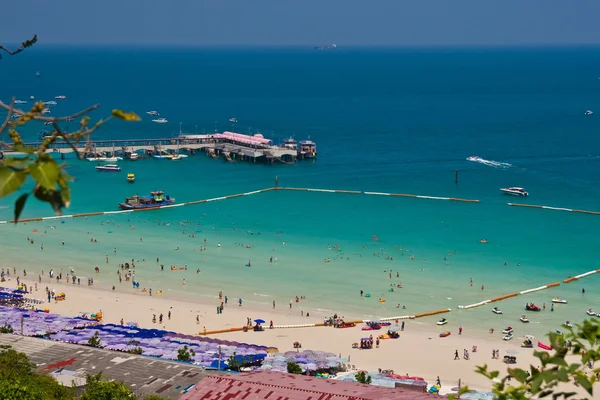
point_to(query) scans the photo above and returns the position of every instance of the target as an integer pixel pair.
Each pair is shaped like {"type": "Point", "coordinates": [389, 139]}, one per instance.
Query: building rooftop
{"type": "Point", "coordinates": [280, 386]}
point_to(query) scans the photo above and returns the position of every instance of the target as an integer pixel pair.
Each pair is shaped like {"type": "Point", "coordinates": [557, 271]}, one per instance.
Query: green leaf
{"type": "Point", "coordinates": [125, 116]}
{"type": "Point", "coordinates": [19, 205]}
{"type": "Point", "coordinates": [23, 149]}
{"type": "Point", "coordinates": [51, 196]}
{"type": "Point", "coordinates": [46, 173]}
{"type": "Point", "coordinates": [518, 374]}
{"type": "Point", "coordinates": [16, 162]}
{"type": "Point", "coordinates": [584, 382]}
{"type": "Point", "coordinates": [10, 180]}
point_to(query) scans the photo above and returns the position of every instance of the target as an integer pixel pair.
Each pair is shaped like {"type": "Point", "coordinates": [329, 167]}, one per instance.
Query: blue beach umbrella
{"type": "Point", "coordinates": [259, 321]}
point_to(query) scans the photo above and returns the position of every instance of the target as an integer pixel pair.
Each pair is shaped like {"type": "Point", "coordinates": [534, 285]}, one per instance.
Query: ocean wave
{"type": "Point", "coordinates": [262, 295]}
{"type": "Point", "coordinates": [489, 163]}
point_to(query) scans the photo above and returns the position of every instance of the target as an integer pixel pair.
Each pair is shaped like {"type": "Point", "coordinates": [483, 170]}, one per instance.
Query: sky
{"type": "Point", "coordinates": [303, 22]}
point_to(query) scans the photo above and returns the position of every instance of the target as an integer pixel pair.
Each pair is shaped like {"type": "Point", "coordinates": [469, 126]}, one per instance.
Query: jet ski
{"type": "Point", "coordinates": [523, 319]}
{"type": "Point", "coordinates": [496, 310]}
{"type": "Point", "coordinates": [591, 313]}
{"type": "Point", "coordinates": [559, 301]}
{"type": "Point", "coordinates": [508, 331]}
{"type": "Point", "coordinates": [442, 321]}
{"type": "Point", "coordinates": [568, 324]}
{"type": "Point", "coordinates": [508, 337]}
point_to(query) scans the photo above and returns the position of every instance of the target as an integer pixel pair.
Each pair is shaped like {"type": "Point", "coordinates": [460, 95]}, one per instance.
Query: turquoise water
{"type": "Point", "coordinates": [388, 120]}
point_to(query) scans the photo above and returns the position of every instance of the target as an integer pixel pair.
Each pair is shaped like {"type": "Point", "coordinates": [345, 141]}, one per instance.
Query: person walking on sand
{"type": "Point", "coordinates": [456, 357]}
{"type": "Point", "coordinates": [273, 304]}
{"type": "Point", "coordinates": [460, 329]}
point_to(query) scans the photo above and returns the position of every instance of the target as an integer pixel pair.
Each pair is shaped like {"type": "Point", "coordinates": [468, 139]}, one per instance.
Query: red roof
{"type": "Point", "coordinates": [269, 385]}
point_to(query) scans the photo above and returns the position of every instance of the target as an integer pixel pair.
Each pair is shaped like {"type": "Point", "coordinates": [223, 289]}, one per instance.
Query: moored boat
{"type": "Point", "coordinates": [442, 321]}
{"type": "Point", "coordinates": [156, 199]}
{"type": "Point", "coordinates": [524, 319]}
{"type": "Point", "coordinates": [559, 301]}
{"type": "Point", "coordinates": [496, 310]}
{"type": "Point", "coordinates": [134, 156]}
{"type": "Point", "coordinates": [160, 120]}
{"type": "Point", "coordinates": [508, 330]}
{"type": "Point", "coordinates": [591, 313]}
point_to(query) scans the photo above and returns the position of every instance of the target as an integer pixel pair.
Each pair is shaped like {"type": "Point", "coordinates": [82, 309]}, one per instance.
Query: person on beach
{"type": "Point", "coordinates": [460, 329]}
{"type": "Point", "coordinates": [273, 304]}
{"type": "Point", "coordinates": [456, 357]}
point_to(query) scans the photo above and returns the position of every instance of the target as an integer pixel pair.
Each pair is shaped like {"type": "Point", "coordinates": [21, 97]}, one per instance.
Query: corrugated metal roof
{"type": "Point", "coordinates": [276, 385]}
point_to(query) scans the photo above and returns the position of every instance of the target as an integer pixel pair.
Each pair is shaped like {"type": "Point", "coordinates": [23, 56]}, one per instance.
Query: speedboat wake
{"type": "Point", "coordinates": [489, 163]}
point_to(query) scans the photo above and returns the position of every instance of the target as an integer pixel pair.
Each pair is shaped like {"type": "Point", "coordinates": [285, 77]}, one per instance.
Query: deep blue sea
{"type": "Point", "coordinates": [386, 120]}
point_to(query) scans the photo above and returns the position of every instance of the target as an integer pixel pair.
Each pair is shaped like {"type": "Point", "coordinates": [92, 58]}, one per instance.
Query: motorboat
{"type": "Point", "coordinates": [591, 313]}
{"type": "Point", "coordinates": [108, 168]}
{"type": "Point", "coordinates": [61, 97]}
{"type": "Point", "coordinates": [568, 324]}
{"type": "Point", "coordinates": [559, 301]}
{"type": "Point", "coordinates": [155, 200]}
{"type": "Point", "coordinates": [44, 134]}
{"type": "Point", "coordinates": [508, 337]}
{"type": "Point", "coordinates": [442, 321]}
{"type": "Point", "coordinates": [177, 157]}
{"type": "Point", "coordinates": [589, 112]}
{"type": "Point", "coordinates": [160, 120]}
{"type": "Point", "coordinates": [496, 310]}
{"type": "Point", "coordinates": [153, 113]}
{"type": "Point", "coordinates": [524, 319]}
{"type": "Point", "coordinates": [508, 330]}
{"type": "Point", "coordinates": [514, 191]}
{"type": "Point", "coordinates": [130, 178]}
{"type": "Point", "coordinates": [31, 97]}
{"type": "Point", "coordinates": [233, 120]}
{"type": "Point", "coordinates": [163, 155]}
{"type": "Point", "coordinates": [532, 307]}
{"type": "Point", "coordinates": [50, 103]}
{"type": "Point", "coordinates": [16, 116]}
{"type": "Point", "coordinates": [134, 156]}
{"type": "Point", "coordinates": [46, 111]}
{"type": "Point", "coordinates": [20, 102]}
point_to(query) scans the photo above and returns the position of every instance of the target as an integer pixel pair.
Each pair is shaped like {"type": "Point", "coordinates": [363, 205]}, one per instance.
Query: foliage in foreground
{"type": "Point", "coordinates": [19, 379]}
{"type": "Point", "coordinates": [570, 364]}
{"type": "Point", "coordinates": [362, 377]}
{"type": "Point", "coordinates": [51, 180]}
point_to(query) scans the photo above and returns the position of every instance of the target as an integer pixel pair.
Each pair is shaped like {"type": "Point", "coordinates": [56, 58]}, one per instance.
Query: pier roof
{"type": "Point", "coordinates": [257, 139]}
{"type": "Point", "coordinates": [277, 385]}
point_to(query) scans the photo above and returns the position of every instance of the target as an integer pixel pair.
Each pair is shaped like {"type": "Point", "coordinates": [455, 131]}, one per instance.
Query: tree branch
{"type": "Point", "coordinates": [24, 45]}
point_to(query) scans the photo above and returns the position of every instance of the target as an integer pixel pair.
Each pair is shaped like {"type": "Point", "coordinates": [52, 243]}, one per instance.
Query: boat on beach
{"type": "Point", "coordinates": [496, 310]}
{"type": "Point", "coordinates": [514, 191]}
{"type": "Point", "coordinates": [108, 168]}
{"type": "Point", "coordinates": [591, 313]}
{"type": "Point", "coordinates": [508, 330]}
{"type": "Point", "coordinates": [442, 321]}
{"type": "Point", "coordinates": [524, 319]}
{"type": "Point", "coordinates": [508, 337]}
{"type": "Point", "coordinates": [156, 199]}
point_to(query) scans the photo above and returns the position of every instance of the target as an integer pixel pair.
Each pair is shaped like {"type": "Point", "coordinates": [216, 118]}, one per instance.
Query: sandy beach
{"type": "Point", "coordinates": [418, 352]}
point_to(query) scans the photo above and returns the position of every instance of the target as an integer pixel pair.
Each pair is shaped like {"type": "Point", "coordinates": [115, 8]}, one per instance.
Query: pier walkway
{"type": "Point", "coordinates": [198, 142]}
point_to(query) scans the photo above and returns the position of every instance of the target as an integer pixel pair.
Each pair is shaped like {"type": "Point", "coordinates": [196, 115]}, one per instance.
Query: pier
{"type": "Point", "coordinates": [229, 145]}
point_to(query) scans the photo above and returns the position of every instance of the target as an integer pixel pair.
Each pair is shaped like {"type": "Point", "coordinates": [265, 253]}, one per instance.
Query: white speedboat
{"type": "Point", "coordinates": [31, 97]}
{"type": "Point", "coordinates": [514, 191]}
{"type": "Point", "coordinates": [568, 324]}
{"type": "Point", "coordinates": [20, 102]}
{"type": "Point", "coordinates": [153, 113]}
{"type": "Point", "coordinates": [161, 156]}
{"type": "Point", "coordinates": [524, 319]}
{"type": "Point", "coordinates": [233, 120]}
{"type": "Point", "coordinates": [177, 157]}
{"type": "Point", "coordinates": [134, 156]}
{"type": "Point", "coordinates": [50, 103]}
{"type": "Point", "coordinates": [508, 330]}
{"type": "Point", "coordinates": [442, 321]}
{"type": "Point", "coordinates": [589, 112]}
{"type": "Point", "coordinates": [46, 111]}
{"type": "Point", "coordinates": [496, 310]}
{"type": "Point", "coordinates": [508, 337]}
{"type": "Point", "coordinates": [559, 301]}
{"type": "Point", "coordinates": [48, 123]}
{"type": "Point", "coordinates": [108, 168]}
{"type": "Point", "coordinates": [591, 313]}
{"type": "Point", "coordinates": [16, 116]}
{"type": "Point", "coordinates": [160, 120]}
{"type": "Point", "coordinates": [61, 97]}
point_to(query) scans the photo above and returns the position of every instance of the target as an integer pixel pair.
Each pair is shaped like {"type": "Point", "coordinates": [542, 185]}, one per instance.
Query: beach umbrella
{"type": "Point", "coordinates": [259, 321]}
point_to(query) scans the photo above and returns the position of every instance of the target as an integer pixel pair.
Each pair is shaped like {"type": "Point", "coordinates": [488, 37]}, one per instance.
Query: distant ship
{"type": "Point", "coordinates": [326, 47]}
